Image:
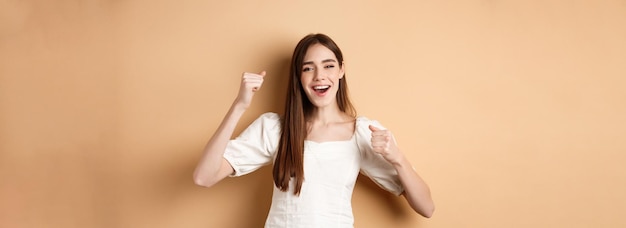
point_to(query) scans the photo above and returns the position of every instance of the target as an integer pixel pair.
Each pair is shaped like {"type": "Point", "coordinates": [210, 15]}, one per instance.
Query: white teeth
{"type": "Point", "coordinates": [321, 87]}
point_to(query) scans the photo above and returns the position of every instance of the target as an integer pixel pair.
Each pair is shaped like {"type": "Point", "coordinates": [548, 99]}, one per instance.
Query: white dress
{"type": "Point", "coordinates": [330, 172]}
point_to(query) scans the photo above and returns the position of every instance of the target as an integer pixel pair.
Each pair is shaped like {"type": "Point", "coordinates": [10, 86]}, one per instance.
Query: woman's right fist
{"type": "Point", "coordinates": [250, 83]}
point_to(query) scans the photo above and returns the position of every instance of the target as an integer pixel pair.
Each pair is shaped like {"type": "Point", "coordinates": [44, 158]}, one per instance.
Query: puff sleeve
{"type": "Point", "coordinates": [256, 146]}
{"type": "Point", "coordinates": [373, 165]}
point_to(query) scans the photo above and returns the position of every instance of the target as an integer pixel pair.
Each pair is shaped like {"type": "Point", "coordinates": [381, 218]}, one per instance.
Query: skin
{"type": "Point", "coordinates": [416, 192]}
{"type": "Point", "coordinates": [213, 167]}
{"type": "Point", "coordinates": [327, 123]}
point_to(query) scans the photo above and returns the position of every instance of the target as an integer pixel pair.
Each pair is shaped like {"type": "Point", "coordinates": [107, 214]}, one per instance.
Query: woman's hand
{"type": "Point", "coordinates": [416, 191]}
{"type": "Point", "coordinates": [250, 83]}
{"type": "Point", "coordinates": [385, 145]}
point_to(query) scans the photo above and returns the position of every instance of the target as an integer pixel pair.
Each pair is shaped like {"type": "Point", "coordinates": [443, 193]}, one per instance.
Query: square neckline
{"type": "Point", "coordinates": [332, 141]}
{"type": "Point", "coordinates": [352, 138]}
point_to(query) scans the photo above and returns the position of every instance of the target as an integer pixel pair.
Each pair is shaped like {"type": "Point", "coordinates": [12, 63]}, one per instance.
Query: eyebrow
{"type": "Point", "coordinates": [323, 61]}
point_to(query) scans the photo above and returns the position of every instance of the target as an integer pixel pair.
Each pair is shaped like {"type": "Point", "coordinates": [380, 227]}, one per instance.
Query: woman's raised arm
{"type": "Point", "coordinates": [212, 167]}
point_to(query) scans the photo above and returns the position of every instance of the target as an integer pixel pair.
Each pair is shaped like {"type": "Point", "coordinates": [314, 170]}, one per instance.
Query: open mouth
{"type": "Point", "coordinates": [321, 88]}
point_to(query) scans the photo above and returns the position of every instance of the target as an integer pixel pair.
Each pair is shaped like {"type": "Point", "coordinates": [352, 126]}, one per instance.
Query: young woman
{"type": "Point", "coordinates": [317, 147]}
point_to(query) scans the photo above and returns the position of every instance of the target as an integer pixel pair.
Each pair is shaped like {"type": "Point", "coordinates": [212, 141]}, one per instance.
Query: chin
{"type": "Point", "coordinates": [321, 104]}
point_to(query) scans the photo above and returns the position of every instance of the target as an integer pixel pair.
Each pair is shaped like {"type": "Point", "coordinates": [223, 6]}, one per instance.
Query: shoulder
{"type": "Point", "coordinates": [265, 125]}
{"type": "Point", "coordinates": [268, 121]}
{"type": "Point", "coordinates": [363, 132]}
{"type": "Point", "coordinates": [364, 122]}
{"type": "Point", "coordinates": [270, 116]}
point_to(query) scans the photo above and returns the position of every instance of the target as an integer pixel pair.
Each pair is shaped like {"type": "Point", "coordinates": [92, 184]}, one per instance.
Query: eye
{"type": "Point", "coordinates": [305, 69]}
{"type": "Point", "coordinates": [329, 66]}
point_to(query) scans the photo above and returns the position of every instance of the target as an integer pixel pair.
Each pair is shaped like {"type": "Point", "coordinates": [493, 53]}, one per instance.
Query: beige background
{"type": "Point", "coordinates": [513, 111]}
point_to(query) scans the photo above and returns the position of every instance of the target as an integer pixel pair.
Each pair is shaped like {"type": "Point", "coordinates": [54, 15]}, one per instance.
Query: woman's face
{"type": "Point", "coordinates": [320, 75]}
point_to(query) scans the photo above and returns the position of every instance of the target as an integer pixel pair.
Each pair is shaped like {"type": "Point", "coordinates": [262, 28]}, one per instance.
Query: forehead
{"type": "Point", "coordinates": [318, 53]}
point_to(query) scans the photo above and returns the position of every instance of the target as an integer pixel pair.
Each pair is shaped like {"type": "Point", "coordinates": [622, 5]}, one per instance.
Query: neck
{"type": "Point", "coordinates": [328, 115]}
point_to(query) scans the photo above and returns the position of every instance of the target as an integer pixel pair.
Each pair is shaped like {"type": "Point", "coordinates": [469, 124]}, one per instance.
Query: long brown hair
{"type": "Point", "coordinates": [289, 161]}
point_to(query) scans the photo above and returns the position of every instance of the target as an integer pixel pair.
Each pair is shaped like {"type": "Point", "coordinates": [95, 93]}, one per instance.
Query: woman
{"type": "Point", "coordinates": [318, 146]}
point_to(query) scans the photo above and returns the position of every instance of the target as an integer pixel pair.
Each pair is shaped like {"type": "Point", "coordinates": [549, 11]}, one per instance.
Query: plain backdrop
{"type": "Point", "coordinates": [514, 111]}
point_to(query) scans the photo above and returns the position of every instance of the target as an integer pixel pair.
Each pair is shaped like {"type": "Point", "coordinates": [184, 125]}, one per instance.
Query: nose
{"type": "Point", "coordinates": [318, 75]}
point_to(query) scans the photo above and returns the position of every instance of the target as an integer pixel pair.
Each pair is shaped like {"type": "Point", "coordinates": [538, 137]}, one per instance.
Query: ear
{"type": "Point", "coordinates": [342, 71]}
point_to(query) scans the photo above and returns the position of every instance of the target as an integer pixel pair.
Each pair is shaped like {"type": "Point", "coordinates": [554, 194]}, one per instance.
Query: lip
{"type": "Point", "coordinates": [320, 94]}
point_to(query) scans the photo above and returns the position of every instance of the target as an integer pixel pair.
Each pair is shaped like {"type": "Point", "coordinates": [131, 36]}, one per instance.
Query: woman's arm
{"type": "Point", "coordinates": [212, 167]}
{"type": "Point", "coordinates": [416, 191]}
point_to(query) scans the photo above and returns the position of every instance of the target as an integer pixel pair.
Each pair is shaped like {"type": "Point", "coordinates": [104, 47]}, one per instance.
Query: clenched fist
{"type": "Point", "coordinates": [250, 83]}
{"type": "Point", "coordinates": [385, 145]}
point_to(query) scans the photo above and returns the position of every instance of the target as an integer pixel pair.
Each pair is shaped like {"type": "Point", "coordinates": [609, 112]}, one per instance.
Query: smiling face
{"type": "Point", "coordinates": [321, 72]}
